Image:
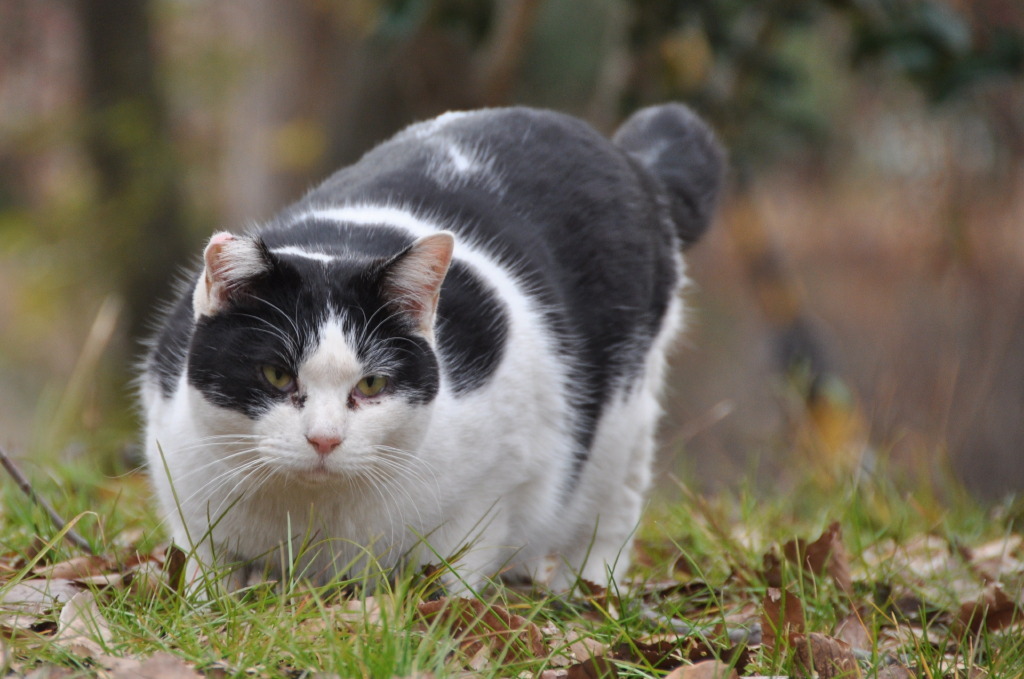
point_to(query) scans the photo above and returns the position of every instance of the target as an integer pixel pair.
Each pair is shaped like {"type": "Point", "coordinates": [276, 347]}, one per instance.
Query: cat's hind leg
{"type": "Point", "coordinates": [612, 488]}
{"type": "Point", "coordinates": [600, 551]}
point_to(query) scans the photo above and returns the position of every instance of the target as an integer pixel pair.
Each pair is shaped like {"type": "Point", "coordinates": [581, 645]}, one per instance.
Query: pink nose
{"type": "Point", "coordinates": [324, 444]}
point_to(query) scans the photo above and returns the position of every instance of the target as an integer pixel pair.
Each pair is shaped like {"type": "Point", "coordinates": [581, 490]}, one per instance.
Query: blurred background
{"type": "Point", "coordinates": [857, 308]}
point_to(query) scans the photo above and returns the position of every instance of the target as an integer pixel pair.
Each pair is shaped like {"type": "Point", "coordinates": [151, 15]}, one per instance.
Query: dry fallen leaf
{"type": "Point", "coordinates": [26, 604]}
{"type": "Point", "coordinates": [557, 673]}
{"type": "Point", "coordinates": [479, 624]}
{"type": "Point", "coordinates": [573, 647]}
{"type": "Point", "coordinates": [782, 616]}
{"type": "Point", "coordinates": [82, 630]}
{"type": "Point", "coordinates": [158, 666]}
{"type": "Point", "coordinates": [824, 657]}
{"type": "Point", "coordinates": [598, 667]}
{"type": "Point", "coordinates": [852, 630]}
{"type": "Point", "coordinates": [708, 669]}
{"type": "Point", "coordinates": [997, 558]}
{"type": "Point", "coordinates": [174, 563]}
{"type": "Point", "coordinates": [53, 672]}
{"type": "Point", "coordinates": [992, 611]}
{"type": "Point", "coordinates": [664, 653]}
{"type": "Point", "coordinates": [599, 597]}
{"type": "Point", "coordinates": [827, 554]}
{"type": "Point", "coordinates": [78, 568]}
{"type": "Point", "coordinates": [894, 671]}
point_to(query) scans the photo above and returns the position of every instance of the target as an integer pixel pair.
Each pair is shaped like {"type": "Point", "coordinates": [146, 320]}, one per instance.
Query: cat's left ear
{"type": "Point", "coordinates": [411, 282]}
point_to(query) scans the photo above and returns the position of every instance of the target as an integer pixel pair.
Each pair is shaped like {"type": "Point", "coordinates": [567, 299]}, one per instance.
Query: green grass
{"type": "Point", "coordinates": [701, 560]}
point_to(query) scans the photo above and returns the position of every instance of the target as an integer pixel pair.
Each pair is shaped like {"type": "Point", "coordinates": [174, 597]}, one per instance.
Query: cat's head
{"type": "Point", "coordinates": [322, 366]}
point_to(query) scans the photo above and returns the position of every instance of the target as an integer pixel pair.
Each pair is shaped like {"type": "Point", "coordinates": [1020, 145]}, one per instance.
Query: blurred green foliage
{"type": "Point", "coordinates": [756, 67]}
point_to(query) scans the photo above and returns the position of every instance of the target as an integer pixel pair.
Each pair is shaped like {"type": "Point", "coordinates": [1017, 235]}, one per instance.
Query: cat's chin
{"type": "Point", "coordinates": [316, 475]}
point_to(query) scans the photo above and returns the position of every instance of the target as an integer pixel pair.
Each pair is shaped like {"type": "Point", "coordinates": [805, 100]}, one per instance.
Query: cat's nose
{"type": "Point", "coordinates": [324, 444]}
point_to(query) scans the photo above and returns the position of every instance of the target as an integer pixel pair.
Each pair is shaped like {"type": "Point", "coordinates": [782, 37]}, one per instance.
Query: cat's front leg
{"type": "Point", "coordinates": [474, 555]}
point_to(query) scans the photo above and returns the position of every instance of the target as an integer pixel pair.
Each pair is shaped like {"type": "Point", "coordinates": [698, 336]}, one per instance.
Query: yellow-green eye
{"type": "Point", "coordinates": [278, 378]}
{"type": "Point", "coordinates": [372, 385]}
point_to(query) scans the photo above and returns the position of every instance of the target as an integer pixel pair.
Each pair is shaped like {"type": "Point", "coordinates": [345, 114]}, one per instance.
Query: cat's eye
{"type": "Point", "coordinates": [278, 378]}
{"type": "Point", "coordinates": [371, 385]}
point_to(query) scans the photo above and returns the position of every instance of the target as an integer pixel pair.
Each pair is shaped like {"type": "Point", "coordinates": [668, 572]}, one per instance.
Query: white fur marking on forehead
{"type": "Point", "coordinates": [298, 252]}
{"type": "Point", "coordinates": [332, 361]}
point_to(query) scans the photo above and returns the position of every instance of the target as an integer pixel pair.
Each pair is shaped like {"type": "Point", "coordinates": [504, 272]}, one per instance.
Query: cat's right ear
{"type": "Point", "coordinates": [230, 264]}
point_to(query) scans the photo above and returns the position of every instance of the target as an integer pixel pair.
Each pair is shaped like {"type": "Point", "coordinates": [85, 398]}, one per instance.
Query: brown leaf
{"type": "Point", "coordinates": [53, 672]}
{"type": "Point", "coordinates": [145, 579]}
{"type": "Point", "coordinates": [659, 653]}
{"type": "Point", "coordinates": [824, 657]}
{"type": "Point", "coordinates": [709, 669]}
{"type": "Point", "coordinates": [852, 630]}
{"type": "Point", "coordinates": [585, 647]}
{"type": "Point", "coordinates": [993, 560]}
{"type": "Point", "coordinates": [782, 616]}
{"type": "Point", "coordinates": [158, 666]}
{"type": "Point", "coordinates": [598, 597]}
{"type": "Point", "coordinates": [479, 624]}
{"type": "Point", "coordinates": [175, 561]}
{"type": "Point", "coordinates": [362, 612]}
{"type": "Point", "coordinates": [598, 667]}
{"type": "Point", "coordinates": [993, 610]}
{"type": "Point", "coordinates": [557, 673]}
{"type": "Point", "coordinates": [38, 595]}
{"type": "Point", "coordinates": [772, 569]}
{"type": "Point", "coordinates": [827, 554]}
{"type": "Point", "coordinates": [26, 604]}
{"type": "Point", "coordinates": [82, 630]}
{"type": "Point", "coordinates": [894, 671]}
{"type": "Point", "coordinates": [78, 568]}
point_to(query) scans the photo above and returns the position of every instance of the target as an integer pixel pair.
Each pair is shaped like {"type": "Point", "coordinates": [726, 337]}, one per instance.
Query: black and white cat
{"type": "Point", "coordinates": [459, 342]}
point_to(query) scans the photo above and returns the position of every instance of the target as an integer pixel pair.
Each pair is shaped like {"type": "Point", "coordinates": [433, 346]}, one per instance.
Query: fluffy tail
{"type": "Point", "coordinates": [680, 149]}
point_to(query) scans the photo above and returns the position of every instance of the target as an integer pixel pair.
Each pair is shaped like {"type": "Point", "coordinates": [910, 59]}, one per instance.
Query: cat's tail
{"type": "Point", "coordinates": [679, 148]}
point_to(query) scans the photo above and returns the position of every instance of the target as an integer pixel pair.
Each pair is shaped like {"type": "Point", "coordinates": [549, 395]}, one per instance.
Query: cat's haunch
{"type": "Point", "coordinates": [452, 348]}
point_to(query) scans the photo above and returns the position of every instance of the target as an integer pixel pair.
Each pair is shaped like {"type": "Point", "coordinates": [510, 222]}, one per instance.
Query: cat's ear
{"type": "Point", "coordinates": [231, 264]}
{"type": "Point", "coordinates": [411, 281]}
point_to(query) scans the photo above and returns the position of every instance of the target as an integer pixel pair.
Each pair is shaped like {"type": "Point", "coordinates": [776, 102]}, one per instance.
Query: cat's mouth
{"type": "Point", "coordinates": [317, 473]}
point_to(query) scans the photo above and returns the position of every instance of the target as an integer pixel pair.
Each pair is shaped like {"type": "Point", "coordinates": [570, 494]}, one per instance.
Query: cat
{"type": "Point", "coordinates": [451, 350]}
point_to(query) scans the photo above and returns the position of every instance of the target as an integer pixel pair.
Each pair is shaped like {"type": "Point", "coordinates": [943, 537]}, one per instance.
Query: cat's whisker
{"type": "Point", "coordinates": [414, 463]}
{"type": "Point", "coordinates": [219, 461]}
{"type": "Point", "coordinates": [278, 309]}
{"type": "Point", "coordinates": [277, 333]}
{"type": "Point", "coordinates": [215, 486]}
{"type": "Point", "coordinates": [215, 446]}
{"type": "Point", "coordinates": [373, 483]}
{"type": "Point", "coordinates": [408, 472]}
{"type": "Point", "coordinates": [222, 479]}
{"type": "Point", "coordinates": [246, 479]}
{"type": "Point", "coordinates": [368, 332]}
{"type": "Point", "coordinates": [400, 471]}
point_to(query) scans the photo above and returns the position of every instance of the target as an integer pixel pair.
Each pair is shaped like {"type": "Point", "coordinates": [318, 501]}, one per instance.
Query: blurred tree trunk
{"type": "Point", "coordinates": [139, 216]}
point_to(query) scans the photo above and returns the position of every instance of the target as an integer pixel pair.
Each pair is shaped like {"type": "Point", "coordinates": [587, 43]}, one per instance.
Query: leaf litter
{"type": "Point", "coordinates": [895, 599]}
